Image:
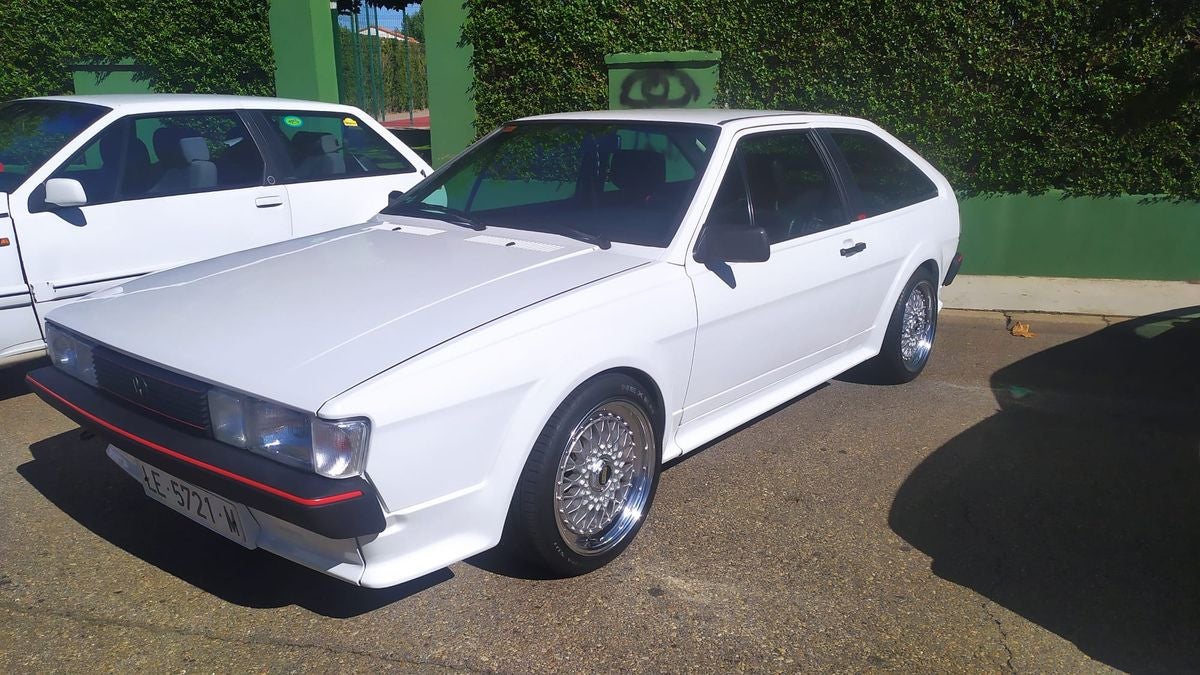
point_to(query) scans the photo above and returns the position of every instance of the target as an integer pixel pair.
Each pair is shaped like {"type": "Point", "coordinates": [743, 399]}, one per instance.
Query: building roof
{"type": "Point", "coordinates": [388, 34]}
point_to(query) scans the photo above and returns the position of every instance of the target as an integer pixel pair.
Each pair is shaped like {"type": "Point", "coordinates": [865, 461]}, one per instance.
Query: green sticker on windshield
{"type": "Point", "coordinates": [292, 121]}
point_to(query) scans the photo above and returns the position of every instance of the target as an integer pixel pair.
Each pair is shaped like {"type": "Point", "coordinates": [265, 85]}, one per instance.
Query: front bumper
{"type": "Point", "coordinates": [333, 508]}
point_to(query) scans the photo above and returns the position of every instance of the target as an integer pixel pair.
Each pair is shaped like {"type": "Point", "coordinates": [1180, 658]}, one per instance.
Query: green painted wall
{"type": "Point", "coordinates": [1109, 238]}
{"type": "Point", "coordinates": [302, 38]}
{"type": "Point", "coordinates": [451, 106]}
{"type": "Point", "coordinates": [663, 80]}
{"type": "Point", "coordinates": [122, 77]}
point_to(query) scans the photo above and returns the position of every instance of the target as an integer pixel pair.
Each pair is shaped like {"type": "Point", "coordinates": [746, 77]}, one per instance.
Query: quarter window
{"type": "Point", "coordinates": [332, 145]}
{"type": "Point", "coordinates": [885, 178]}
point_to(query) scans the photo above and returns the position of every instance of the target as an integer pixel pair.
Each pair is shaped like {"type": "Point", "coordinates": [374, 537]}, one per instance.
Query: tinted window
{"type": "Point", "coordinates": [162, 155]}
{"type": "Point", "coordinates": [791, 192]}
{"type": "Point", "coordinates": [32, 131]}
{"type": "Point", "coordinates": [332, 145]}
{"type": "Point", "coordinates": [628, 182]}
{"type": "Point", "coordinates": [886, 179]}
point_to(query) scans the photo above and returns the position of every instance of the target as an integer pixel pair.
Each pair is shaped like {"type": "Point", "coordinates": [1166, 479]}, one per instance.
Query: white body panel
{"type": "Point", "coordinates": [20, 336]}
{"type": "Point", "coordinates": [458, 349]}
{"type": "Point", "coordinates": [67, 253]}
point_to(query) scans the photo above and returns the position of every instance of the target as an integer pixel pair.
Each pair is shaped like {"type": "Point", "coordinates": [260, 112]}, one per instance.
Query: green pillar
{"type": "Point", "coordinates": [451, 107]}
{"type": "Point", "coordinates": [663, 80]}
{"type": "Point", "coordinates": [302, 38]}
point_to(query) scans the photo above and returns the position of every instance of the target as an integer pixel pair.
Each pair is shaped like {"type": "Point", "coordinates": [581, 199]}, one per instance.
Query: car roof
{"type": "Point", "coordinates": [710, 116]}
{"type": "Point", "coordinates": [130, 103]}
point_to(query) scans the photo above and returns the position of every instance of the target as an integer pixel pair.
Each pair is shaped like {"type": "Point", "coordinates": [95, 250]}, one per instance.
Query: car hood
{"type": "Point", "coordinates": [302, 321]}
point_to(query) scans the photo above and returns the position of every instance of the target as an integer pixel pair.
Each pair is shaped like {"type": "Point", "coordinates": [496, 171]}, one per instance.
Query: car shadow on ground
{"type": "Point", "coordinates": [12, 378]}
{"type": "Point", "coordinates": [1077, 505]}
{"type": "Point", "coordinates": [77, 477]}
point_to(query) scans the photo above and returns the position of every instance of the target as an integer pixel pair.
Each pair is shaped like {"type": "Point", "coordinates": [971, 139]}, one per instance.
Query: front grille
{"type": "Point", "coordinates": [179, 400]}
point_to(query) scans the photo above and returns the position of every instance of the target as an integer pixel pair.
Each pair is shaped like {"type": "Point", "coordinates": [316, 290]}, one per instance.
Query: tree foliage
{"type": "Point", "coordinates": [212, 46]}
{"type": "Point", "coordinates": [1096, 98]}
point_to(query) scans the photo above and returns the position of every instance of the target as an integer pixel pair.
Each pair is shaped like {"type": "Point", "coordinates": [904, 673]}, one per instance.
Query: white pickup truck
{"type": "Point", "coordinates": [98, 190]}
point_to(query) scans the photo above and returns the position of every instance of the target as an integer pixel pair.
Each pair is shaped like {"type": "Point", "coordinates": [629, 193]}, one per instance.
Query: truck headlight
{"type": "Point", "coordinates": [331, 448]}
{"type": "Point", "coordinates": [70, 353]}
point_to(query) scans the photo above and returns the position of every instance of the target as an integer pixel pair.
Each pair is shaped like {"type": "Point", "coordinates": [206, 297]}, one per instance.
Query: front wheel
{"type": "Point", "coordinates": [910, 332]}
{"type": "Point", "coordinates": [589, 480]}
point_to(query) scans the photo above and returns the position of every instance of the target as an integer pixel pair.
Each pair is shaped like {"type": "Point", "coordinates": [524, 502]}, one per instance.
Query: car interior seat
{"type": "Point", "coordinates": [183, 161]}
{"type": "Point", "coordinates": [317, 154]}
{"type": "Point", "coordinates": [134, 176]}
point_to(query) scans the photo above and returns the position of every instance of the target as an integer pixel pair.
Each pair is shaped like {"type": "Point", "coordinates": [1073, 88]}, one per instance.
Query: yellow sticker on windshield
{"type": "Point", "coordinates": [292, 121]}
{"type": "Point", "coordinates": [349, 122]}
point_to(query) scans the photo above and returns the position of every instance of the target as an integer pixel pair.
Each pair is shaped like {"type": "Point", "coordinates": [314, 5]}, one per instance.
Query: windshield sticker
{"type": "Point", "coordinates": [508, 128]}
{"type": "Point", "coordinates": [293, 121]}
{"type": "Point", "coordinates": [349, 122]}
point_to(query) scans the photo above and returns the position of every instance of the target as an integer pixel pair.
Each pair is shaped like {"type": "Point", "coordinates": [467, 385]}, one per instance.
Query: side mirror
{"type": "Point", "coordinates": [733, 244]}
{"type": "Point", "coordinates": [394, 195]}
{"type": "Point", "coordinates": [65, 192]}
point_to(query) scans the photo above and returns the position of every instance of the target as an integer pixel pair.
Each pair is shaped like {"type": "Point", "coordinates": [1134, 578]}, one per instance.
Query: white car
{"type": "Point", "coordinates": [99, 190]}
{"type": "Point", "coordinates": [515, 347]}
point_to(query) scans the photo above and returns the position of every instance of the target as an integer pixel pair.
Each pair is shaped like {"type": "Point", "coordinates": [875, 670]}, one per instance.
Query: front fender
{"type": "Point", "coordinates": [458, 421]}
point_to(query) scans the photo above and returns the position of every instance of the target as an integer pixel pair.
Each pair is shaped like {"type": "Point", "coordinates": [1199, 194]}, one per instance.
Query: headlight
{"type": "Point", "coordinates": [70, 354]}
{"type": "Point", "coordinates": [330, 448]}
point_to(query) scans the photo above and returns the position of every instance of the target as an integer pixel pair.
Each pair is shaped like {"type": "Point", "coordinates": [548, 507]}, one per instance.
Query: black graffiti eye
{"type": "Point", "coordinates": [658, 88]}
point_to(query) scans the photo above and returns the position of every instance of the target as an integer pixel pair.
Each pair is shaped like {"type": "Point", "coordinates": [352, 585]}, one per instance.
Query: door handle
{"type": "Point", "coordinates": [268, 202]}
{"type": "Point", "coordinates": [857, 248]}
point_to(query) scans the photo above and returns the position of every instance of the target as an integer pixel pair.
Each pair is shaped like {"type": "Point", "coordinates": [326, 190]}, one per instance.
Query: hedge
{"type": "Point", "coordinates": [1005, 96]}
{"type": "Point", "coordinates": [214, 46]}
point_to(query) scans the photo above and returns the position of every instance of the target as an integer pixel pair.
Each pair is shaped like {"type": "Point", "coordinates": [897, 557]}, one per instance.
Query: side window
{"type": "Point", "coordinates": [886, 179]}
{"type": "Point", "coordinates": [319, 145]}
{"type": "Point", "coordinates": [731, 207]}
{"type": "Point", "coordinates": [791, 191]}
{"type": "Point", "coordinates": [181, 153]}
{"type": "Point", "coordinates": [97, 166]}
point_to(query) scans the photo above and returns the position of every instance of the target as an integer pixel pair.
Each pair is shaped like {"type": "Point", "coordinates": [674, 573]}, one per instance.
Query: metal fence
{"type": "Point", "coordinates": [381, 69]}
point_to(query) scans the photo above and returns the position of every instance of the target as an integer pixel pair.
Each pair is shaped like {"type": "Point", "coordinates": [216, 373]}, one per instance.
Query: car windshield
{"type": "Point", "coordinates": [31, 132]}
{"type": "Point", "coordinates": [596, 181]}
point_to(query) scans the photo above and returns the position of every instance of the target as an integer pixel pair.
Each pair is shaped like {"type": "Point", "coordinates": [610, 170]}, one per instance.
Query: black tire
{"type": "Point", "coordinates": [890, 366]}
{"type": "Point", "coordinates": [533, 531]}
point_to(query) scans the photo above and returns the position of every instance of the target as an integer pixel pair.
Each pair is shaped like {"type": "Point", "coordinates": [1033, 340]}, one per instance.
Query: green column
{"type": "Point", "coordinates": [451, 106]}
{"type": "Point", "coordinates": [302, 39]}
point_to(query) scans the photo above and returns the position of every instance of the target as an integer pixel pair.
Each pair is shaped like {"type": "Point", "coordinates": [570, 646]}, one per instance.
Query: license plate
{"type": "Point", "coordinates": [217, 514]}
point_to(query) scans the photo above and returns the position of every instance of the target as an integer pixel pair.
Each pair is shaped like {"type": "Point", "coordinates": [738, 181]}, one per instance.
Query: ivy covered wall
{"type": "Point", "coordinates": [188, 45]}
{"type": "Point", "coordinates": [1005, 96]}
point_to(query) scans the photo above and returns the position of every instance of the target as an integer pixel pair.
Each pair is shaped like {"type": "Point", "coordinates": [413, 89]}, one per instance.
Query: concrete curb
{"type": "Point", "coordinates": [1061, 295]}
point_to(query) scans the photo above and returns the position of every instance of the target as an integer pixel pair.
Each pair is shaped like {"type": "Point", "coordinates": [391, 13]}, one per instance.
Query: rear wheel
{"type": "Point", "coordinates": [589, 480]}
{"type": "Point", "coordinates": [910, 332]}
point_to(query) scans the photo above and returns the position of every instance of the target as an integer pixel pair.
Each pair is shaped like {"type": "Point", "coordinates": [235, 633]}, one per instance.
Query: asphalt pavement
{"type": "Point", "coordinates": [1028, 504]}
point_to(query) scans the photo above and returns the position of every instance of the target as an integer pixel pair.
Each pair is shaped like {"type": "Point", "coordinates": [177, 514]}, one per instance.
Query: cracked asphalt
{"type": "Point", "coordinates": [1026, 505]}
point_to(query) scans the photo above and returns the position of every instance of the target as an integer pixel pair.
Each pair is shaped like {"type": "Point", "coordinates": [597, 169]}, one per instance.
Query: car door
{"type": "Point", "coordinates": [161, 190]}
{"type": "Point", "coordinates": [762, 323]}
{"type": "Point", "coordinates": [884, 189]}
{"type": "Point", "coordinates": [19, 331]}
{"type": "Point", "coordinates": [338, 168]}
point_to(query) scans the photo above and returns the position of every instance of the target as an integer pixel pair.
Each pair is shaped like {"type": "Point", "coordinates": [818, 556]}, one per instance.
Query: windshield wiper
{"type": "Point", "coordinates": [575, 233]}
{"type": "Point", "coordinates": [443, 213]}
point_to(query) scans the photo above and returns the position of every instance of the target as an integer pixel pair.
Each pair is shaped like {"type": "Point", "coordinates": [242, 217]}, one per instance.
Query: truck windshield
{"type": "Point", "coordinates": [596, 181]}
{"type": "Point", "coordinates": [32, 131]}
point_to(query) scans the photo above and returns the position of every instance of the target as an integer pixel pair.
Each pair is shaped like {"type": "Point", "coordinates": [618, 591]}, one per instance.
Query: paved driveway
{"type": "Point", "coordinates": [1027, 504]}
